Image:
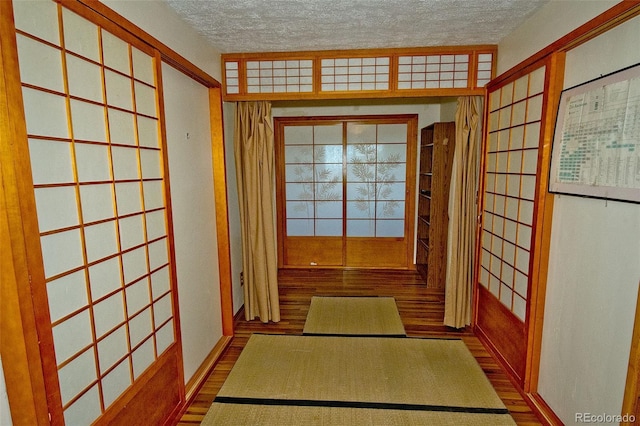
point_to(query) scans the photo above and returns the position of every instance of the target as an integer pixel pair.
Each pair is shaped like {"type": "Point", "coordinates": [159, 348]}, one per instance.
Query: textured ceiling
{"type": "Point", "coordinates": [290, 25]}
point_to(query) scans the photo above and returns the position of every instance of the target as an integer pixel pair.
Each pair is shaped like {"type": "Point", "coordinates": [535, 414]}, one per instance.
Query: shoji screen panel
{"type": "Point", "coordinates": [292, 75]}
{"type": "Point", "coordinates": [511, 251]}
{"type": "Point", "coordinates": [91, 108]}
{"type": "Point", "coordinates": [364, 73]}
{"type": "Point", "coordinates": [355, 74]}
{"type": "Point", "coordinates": [515, 114]}
{"type": "Point", "coordinates": [433, 71]}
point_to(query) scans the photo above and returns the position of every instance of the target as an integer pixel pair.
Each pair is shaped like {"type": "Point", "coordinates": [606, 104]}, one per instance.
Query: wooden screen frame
{"type": "Point", "coordinates": [554, 53]}
{"type": "Point", "coordinates": [519, 360]}
{"type": "Point", "coordinates": [393, 91]}
{"type": "Point", "coordinates": [31, 391]}
{"type": "Point", "coordinates": [359, 246]}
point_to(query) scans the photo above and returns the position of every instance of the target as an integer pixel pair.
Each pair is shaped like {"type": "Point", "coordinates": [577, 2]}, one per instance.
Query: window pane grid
{"type": "Point", "coordinates": [293, 76]}
{"type": "Point", "coordinates": [354, 74]}
{"type": "Point", "coordinates": [485, 64]}
{"type": "Point", "coordinates": [511, 167]}
{"type": "Point", "coordinates": [232, 77]}
{"type": "Point", "coordinates": [314, 169]}
{"type": "Point", "coordinates": [376, 165]}
{"type": "Point", "coordinates": [433, 71]}
{"type": "Point", "coordinates": [367, 170]}
{"type": "Point", "coordinates": [73, 122]}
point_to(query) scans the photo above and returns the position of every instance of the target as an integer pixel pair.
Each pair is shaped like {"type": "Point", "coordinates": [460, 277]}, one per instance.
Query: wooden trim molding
{"type": "Point", "coordinates": [200, 376]}
{"type": "Point", "coordinates": [542, 226]}
{"type": "Point", "coordinates": [222, 209]}
{"type": "Point", "coordinates": [29, 392]}
{"type": "Point", "coordinates": [631, 401]}
{"type": "Point", "coordinates": [554, 56]}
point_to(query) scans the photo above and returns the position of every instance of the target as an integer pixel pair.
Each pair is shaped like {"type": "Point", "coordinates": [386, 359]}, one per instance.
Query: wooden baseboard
{"type": "Point", "coordinates": [542, 409]}
{"type": "Point", "coordinates": [538, 405]}
{"type": "Point", "coordinates": [200, 376]}
{"type": "Point", "coordinates": [238, 316]}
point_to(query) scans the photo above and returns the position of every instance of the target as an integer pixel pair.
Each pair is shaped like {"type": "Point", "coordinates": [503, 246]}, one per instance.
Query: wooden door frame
{"type": "Point", "coordinates": [20, 342]}
{"type": "Point", "coordinates": [554, 53]}
{"type": "Point", "coordinates": [410, 185]}
{"type": "Point", "coordinates": [29, 389]}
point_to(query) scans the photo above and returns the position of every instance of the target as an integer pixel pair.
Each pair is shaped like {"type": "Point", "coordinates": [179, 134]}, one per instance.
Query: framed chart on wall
{"type": "Point", "coordinates": [596, 146]}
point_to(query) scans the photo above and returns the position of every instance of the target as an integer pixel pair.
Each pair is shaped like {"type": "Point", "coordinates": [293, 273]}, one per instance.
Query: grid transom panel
{"type": "Point", "coordinates": [433, 71]}
{"type": "Point", "coordinates": [355, 74]}
{"type": "Point", "coordinates": [232, 76]}
{"type": "Point", "coordinates": [485, 65]}
{"type": "Point", "coordinates": [292, 75]}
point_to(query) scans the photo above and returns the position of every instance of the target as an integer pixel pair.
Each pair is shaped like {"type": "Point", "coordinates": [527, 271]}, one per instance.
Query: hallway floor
{"type": "Point", "coordinates": [421, 310]}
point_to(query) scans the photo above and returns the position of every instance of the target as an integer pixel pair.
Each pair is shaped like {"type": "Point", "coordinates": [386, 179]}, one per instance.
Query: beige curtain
{"type": "Point", "coordinates": [462, 214]}
{"type": "Point", "coordinates": [254, 155]}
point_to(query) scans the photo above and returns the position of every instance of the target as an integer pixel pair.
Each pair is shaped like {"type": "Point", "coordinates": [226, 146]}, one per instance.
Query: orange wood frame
{"type": "Point", "coordinates": [631, 402]}
{"type": "Point", "coordinates": [30, 390]}
{"type": "Point", "coordinates": [553, 55]}
{"type": "Point", "coordinates": [392, 92]}
{"type": "Point", "coordinates": [409, 226]}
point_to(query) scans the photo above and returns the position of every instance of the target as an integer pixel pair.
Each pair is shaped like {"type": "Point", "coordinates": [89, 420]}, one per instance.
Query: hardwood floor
{"type": "Point", "coordinates": [421, 310]}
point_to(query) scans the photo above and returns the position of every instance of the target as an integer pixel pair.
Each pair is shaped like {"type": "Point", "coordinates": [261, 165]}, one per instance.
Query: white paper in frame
{"type": "Point", "coordinates": [596, 145]}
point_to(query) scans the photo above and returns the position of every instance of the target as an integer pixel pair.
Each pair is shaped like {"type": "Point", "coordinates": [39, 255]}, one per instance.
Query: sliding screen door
{"type": "Point", "coordinates": [509, 298]}
{"type": "Point", "coordinates": [342, 191]}
{"type": "Point", "coordinates": [93, 118]}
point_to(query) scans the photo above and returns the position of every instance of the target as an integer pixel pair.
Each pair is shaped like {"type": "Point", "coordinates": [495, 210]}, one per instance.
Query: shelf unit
{"type": "Point", "coordinates": [437, 143]}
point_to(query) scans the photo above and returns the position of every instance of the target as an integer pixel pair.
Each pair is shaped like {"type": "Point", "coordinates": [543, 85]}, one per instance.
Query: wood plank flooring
{"type": "Point", "coordinates": [421, 310]}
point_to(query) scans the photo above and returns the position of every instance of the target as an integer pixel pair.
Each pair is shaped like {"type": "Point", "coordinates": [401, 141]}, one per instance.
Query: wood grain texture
{"type": "Point", "coordinates": [437, 145]}
{"type": "Point", "coordinates": [23, 329]}
{"type": "Point", "coordinates": [222, 209]}
{"type": "Point", "coordinates": [421, 310]}
{"type": "Point", "coordinates": [504, 332]}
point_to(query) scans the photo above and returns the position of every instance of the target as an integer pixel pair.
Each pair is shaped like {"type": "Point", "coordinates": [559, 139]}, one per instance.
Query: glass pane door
{"type": "Point", "coordinates": [313, 162]}
{"type": "Point", "coordinates": [376, 173]}
{"type": "Point", "coordinates": [342, 190]}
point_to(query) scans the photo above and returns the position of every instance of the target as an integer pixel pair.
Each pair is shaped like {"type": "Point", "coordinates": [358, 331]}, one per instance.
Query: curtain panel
{"type": "Point", "coordinates": [462, 214]}
{"type": "Point", "coordinates": [254, 156]}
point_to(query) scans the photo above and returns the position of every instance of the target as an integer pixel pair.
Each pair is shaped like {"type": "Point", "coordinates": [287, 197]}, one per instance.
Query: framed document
{"type": "Point", "coordinates": [596, 145]}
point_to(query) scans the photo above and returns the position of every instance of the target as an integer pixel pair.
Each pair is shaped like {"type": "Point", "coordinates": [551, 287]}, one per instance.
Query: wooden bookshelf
{"type": "Point", "coordinates": [437, 142]}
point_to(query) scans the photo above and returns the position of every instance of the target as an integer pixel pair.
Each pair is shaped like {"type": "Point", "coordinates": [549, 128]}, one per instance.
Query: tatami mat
{"type": "Point", "coordinates": [358, 316]}
{"type": "Point", "coordinates": [285, 379]}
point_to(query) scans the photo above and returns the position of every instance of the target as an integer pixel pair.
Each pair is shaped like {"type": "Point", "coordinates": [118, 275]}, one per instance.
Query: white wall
{"type": "Point", "coordinates": [448, 109]}
{"type": "Point", "coordinates": [235, 235]}
{"type": "Point", "coordinates": [594, 265]}
{"type": "Point", "coordinates": [554, 20]}
{"type": "Point", "coordinates": [194, 215]}
{"type": "Point", "coordinates": [428, 109]}
{"type": "Point", "coordinates": [594, 271]}
{"type": "Point", "coordinates": [5, 412]}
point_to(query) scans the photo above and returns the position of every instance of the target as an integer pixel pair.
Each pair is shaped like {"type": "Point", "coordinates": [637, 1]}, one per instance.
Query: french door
{"type": "Point", "coordinates": [345, 191]}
